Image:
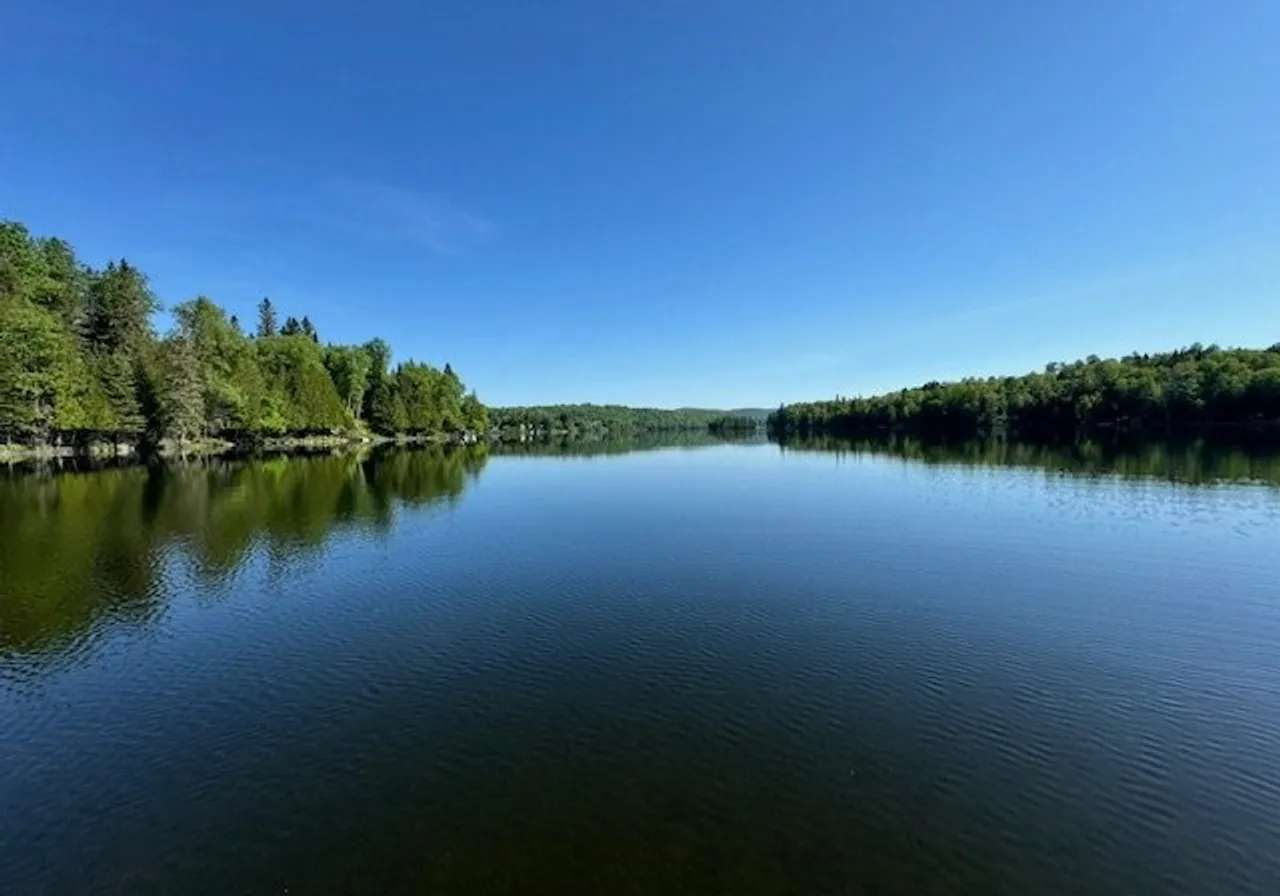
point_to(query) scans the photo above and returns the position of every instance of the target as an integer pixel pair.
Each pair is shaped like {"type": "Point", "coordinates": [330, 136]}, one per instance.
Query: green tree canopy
{"type": "Point", "coordinates": [1197, 386]}
{"type": "Point", "coordinates": [79, 357]}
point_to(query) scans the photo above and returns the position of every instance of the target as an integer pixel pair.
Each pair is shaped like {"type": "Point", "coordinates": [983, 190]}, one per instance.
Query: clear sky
{"type": "Point", "coordinates": [671, 202]}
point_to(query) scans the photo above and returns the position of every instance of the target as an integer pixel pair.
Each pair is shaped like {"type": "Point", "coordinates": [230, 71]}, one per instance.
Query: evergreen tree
{"type": "Point", "coordinates": [266, 319]}
{"type": "Point", "coordinates": [36, 373]}
{"type": "Point", "coordinates": [414, 384]}
{"type": "Point", "coordinates": [120, 305]}
{"type": "Point", "coordinates": [119, 379]}
{"type": "Point", "coordinates": [19, 261]}
{"type": "Point", "coordinates": [379, 355]}
{"type": "Point", "coordinates": [233, 389]}
{"type": "Point", "coordinates": [387, 413]}
{"type": "Point", "coordinates": [181, 397]}
{"type": "Point", "coordinates": [64, 282]}
{"type": "Point", "coordinates": [301, 390]}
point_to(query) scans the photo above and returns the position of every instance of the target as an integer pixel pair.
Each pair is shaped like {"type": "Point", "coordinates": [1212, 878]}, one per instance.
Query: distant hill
{"type": "Point", "coordinates": [753, 413]}
{"type": "Point", "coordinates": [579, 419]}
{"type": "Point", "coordinates": [594, 419]}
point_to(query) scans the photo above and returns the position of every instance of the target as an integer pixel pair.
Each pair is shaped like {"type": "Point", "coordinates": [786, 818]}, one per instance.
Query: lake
{"type": "Point", "coordinates": [732, 669]}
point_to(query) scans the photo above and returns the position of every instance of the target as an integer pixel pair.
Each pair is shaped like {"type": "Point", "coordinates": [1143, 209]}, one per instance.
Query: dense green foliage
{"type": "Point", "coordinates": [1195, 386]}
{"type": "Point", "coordinates": [596, 420]}
{"type": "Point", "coordinates": [574, 446]}
{"type": "Point", "coordinates": [733, 424]}
{"type": "Point", "coordinates": [80, 360]}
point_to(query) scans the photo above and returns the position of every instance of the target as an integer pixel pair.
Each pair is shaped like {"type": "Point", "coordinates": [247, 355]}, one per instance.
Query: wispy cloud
{"type": "Point", "coordinates": [366, 209]}
{"type": "Point", "coordinates": [1075, 293]}
{"type": "Point", "coordinates": [382, 211]}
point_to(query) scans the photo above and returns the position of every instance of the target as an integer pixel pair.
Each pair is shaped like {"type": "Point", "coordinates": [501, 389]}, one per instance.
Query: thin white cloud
{"type": "Point", "coordinates": [382, 211]}
{"type": "Point", "coordinates": [1076, 292]}
{"type": "Point", "coordinates": [369, 210]}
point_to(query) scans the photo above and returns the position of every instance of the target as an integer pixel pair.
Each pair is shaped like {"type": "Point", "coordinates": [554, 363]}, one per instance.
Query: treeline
{"type": "Point", "coordinates": [731, 424]}
{"type": "Point", "coordinates": [595, 420]}
{"type": "Point", "coordinates": [571, 446]}
{"type": "Point", "coordinates": [1161, 393]}
{"type": "Point", "coordinates": [80, 361]}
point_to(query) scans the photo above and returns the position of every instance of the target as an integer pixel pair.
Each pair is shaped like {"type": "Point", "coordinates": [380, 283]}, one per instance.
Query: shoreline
{"type": "Point", "coordinates": [11, 453]}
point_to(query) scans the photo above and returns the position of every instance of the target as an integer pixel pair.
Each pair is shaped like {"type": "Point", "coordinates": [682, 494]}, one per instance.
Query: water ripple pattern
{"type": "Point", "coordinates": [725, 670]}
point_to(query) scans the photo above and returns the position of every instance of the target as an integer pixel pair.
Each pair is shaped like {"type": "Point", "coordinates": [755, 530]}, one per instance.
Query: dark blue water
{"type": "Point", "coordinates": [721, 670]}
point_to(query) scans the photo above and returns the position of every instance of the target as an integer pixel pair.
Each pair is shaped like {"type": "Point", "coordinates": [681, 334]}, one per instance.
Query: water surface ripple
{"type": "Point", "coordinates": [725, 670]}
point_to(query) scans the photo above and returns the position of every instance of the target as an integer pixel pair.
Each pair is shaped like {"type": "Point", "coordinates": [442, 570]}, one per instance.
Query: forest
{"type": "Point", "coordinates": [732, 424]}
{"type": "Point", "coordinates": [1177, 391]}
{"type": "Point", "coordinates": [81, 362]}
{"type": "Point", "coordinates": [596, 420]}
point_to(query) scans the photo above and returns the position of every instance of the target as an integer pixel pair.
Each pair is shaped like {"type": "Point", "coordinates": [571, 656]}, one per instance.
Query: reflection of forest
{"type": "Point", "coordinates": [1192, 461]}
{"type": "Point", "coordinates": [80, 547]}
{"type": "Point", "coordinates": [84, 547]}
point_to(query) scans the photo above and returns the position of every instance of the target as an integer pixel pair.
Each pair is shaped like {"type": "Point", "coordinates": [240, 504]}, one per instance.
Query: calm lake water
{"type": "Point", "coordinates": [715, 670]}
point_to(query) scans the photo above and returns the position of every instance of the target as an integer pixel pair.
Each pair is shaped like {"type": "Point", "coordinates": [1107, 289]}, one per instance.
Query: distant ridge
{"type": "Point", "coordinates": [755, 413]}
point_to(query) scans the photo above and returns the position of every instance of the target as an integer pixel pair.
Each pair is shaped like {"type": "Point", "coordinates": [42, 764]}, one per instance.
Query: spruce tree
{"type": "Point", "coordinates": [181, 399]}
{"type": "Point", "coordinates": [266, 319]}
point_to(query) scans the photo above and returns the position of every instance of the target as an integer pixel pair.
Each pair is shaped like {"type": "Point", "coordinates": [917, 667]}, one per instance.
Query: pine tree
{"type": "Point", "coordinates": [119, 383]}
{"type": "Point", "coordinates": [387, 412]}
{"type": "Point", "coordinates": [64, 282]}
{"type": "Point", "coordinates": [30, 354]}
{"type": "Point", "coordinates": [120, 304]}
{"type": "Point", "coordinates": [266, 319]}
{"type": "Point", "coordinates": [181, 398]}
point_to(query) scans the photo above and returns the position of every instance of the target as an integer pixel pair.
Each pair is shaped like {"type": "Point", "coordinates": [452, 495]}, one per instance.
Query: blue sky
{"type": "Point", "coordinates": [672, 202]}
